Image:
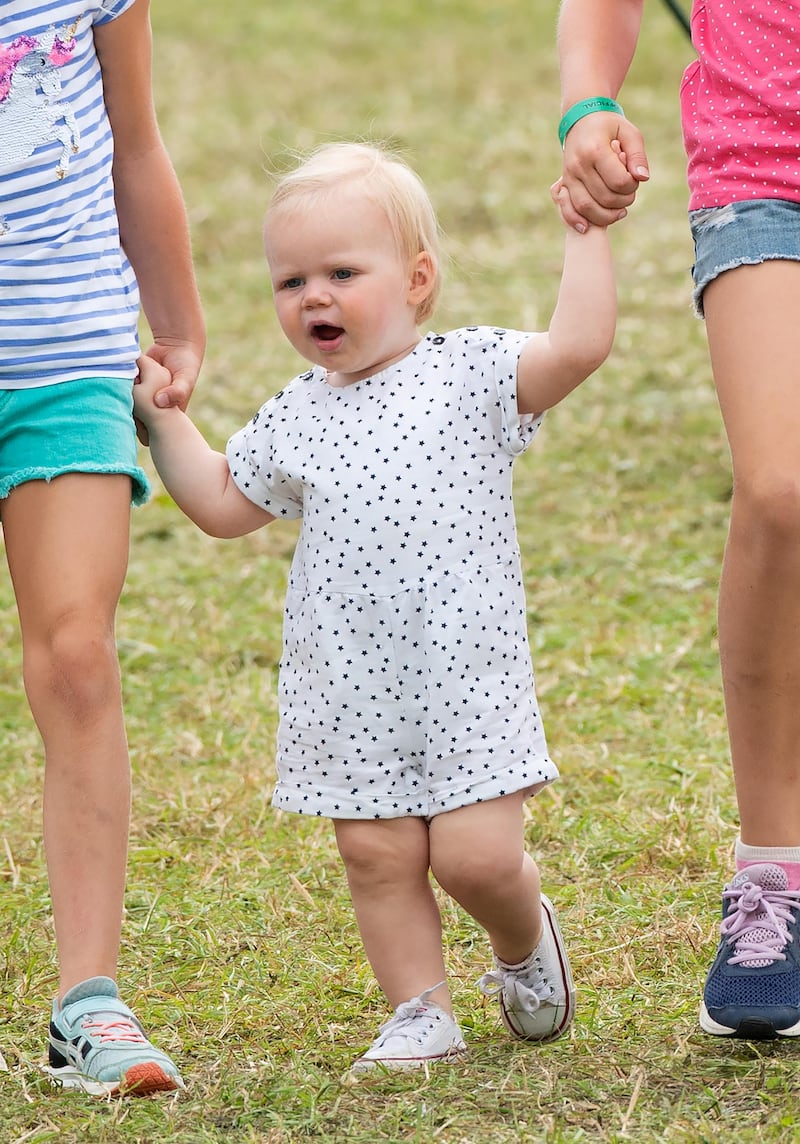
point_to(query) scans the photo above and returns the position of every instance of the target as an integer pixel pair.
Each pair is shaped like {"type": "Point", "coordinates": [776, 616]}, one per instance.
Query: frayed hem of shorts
{"type": "Point", "coordinates": [734, 264]}
{"type": "Point", "coordinates": [140, 486]}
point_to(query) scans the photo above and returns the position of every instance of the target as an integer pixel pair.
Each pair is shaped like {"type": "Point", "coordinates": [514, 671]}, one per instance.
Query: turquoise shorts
{"type": "Point", "coordinates": [73, 427]}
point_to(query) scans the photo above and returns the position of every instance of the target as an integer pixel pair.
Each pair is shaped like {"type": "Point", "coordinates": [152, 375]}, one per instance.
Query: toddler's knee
{"type": "Point", "coordinates": [74, 668]}
{"type": "Point", "coordinates": [465, 875]}
{"type": "Point", "coordinates": [367, 856]}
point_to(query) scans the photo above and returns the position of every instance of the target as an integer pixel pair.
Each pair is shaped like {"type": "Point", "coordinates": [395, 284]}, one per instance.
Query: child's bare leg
{"type": "Point", "coordinates": [67, 549]}
{"type": "Point", "coordinates": [398, 918]}
{"type": "Point", "coordinates": [478, 856]}
{"type": "Point", "coordinates": [754, 339]}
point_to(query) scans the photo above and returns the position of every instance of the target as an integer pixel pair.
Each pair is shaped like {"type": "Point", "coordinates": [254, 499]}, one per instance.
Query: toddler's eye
{"type": "Point", "coordinates": [343, 274]}
{"type": "Point", "coordinates": [292, 283]}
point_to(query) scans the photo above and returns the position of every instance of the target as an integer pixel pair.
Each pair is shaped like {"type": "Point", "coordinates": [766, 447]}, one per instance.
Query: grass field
{"type": "Point", "coordinates": [240, 952]}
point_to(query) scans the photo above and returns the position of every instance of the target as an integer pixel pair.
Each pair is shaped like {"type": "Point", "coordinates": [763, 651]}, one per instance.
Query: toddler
{"type": "Point", "coordinates": [407, 706]}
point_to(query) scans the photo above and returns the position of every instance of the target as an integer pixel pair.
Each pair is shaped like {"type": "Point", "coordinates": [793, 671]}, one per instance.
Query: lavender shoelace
{"type": "Point", "coordinates": [757, 923]}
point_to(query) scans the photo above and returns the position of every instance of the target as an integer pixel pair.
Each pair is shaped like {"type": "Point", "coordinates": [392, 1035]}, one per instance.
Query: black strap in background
{"type": "Point", "coordinates": [679, 15]}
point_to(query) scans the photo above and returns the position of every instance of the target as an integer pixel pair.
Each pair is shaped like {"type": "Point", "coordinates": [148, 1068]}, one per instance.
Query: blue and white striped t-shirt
{"type": "Point", "coordinates": [69, 302]}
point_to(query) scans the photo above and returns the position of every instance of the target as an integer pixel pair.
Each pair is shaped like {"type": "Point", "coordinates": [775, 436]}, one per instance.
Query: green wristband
{"type": "Point", "coordinates": [586, 107]}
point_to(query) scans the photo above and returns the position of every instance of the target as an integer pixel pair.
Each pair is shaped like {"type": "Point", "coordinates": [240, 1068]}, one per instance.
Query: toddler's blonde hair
{"type": "Point", "coordinates": [388, 181]}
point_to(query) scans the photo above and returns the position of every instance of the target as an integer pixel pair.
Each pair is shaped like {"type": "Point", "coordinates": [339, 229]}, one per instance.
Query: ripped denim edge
{"type": "Point", "coordinates": [741, 260]}
{"type": "Point", "coordinates": [713, 217]}
{"type": "Point", "coordinates": [140, 486]}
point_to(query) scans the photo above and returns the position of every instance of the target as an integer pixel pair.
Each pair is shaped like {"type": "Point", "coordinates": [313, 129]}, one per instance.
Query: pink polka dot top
{"type": "Point", "coordinates": [740, 102]}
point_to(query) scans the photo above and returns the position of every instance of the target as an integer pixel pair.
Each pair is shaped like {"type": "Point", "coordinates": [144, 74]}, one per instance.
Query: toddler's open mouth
{"type": "Point", "coordinates": [322, 332]}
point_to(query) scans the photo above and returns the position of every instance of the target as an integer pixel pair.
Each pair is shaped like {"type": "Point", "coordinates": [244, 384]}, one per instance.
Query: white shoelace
{"type": "Point", "coordinates": [519, 991]}
{"type": "Point", "coordinates": [405, 1015]}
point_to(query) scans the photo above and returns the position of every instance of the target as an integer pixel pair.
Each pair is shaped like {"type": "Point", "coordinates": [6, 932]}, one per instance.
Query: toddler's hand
{"type": "Point", "coordinates": [151, 379]}
{"type": "Point", "coordinates": [566, 208]}
{"type": "Point", "coordinates": [182, 360]}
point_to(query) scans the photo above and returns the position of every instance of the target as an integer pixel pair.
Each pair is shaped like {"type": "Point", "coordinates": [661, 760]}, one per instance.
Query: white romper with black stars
{"type": "Point", "coordinates": [406, 685]}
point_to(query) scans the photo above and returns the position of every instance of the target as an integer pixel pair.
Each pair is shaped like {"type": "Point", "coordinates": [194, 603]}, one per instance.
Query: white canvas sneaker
{"type": "Point", "coordinates": [419, 1033]}
{"type": "Point", "coordinates": [537, 997]}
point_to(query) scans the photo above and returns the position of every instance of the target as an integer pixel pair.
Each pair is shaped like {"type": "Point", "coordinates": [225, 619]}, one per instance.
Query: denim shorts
{"type": "Point", "coordinates": [741, 234]}
{"type": "Point", "coordinates": [73, 427]}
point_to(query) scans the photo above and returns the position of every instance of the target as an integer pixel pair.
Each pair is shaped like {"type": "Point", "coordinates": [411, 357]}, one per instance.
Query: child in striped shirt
{"type": "Point", "coordinates": [91, 214]}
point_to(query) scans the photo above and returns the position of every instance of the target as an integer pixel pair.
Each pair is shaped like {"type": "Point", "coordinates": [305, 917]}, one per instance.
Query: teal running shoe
{"type": "Point", "coordinates": [98, 1046]}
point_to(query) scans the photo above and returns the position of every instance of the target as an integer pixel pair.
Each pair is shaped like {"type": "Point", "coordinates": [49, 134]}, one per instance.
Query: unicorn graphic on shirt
{"type": "Point", "coordinates": [31, 110]}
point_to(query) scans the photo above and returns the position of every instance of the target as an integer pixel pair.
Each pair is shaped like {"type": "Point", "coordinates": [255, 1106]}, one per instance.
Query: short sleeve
{"type": "Point", "coordinates": [253, 456]}
{"type": "Point", "coordinates": [109, 10]}
{"type": "Point", "coordinates": [494, 354]}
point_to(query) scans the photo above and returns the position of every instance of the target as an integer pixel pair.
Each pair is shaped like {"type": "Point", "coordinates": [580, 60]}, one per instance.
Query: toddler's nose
{"type": "Point", "coordinates": [316, 294]}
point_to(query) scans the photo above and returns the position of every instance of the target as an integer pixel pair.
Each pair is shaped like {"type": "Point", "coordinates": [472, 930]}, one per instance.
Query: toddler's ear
{"type": "Point", "coordinates": [423, 278]}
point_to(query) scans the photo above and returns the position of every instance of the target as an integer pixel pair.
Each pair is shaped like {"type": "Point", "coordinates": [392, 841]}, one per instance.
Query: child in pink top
{"type": "Point", "coordinates": [741, 123]}
{"type": "Point", "coordinates": [739, 107]}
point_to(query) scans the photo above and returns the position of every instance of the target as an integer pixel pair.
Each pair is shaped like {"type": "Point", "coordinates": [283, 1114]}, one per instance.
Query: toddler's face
{"type": "Point", "coordinates": [343, 292]}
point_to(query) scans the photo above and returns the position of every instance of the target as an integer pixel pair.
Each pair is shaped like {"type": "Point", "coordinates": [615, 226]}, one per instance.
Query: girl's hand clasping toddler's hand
{"type": "Point", "coordinates": [561, 197]}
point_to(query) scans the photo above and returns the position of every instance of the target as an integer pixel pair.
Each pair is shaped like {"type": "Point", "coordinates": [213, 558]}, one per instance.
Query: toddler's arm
{"type": "Point", "coordinates": [152, 218]}
{"type": "Point", "coordinates": [196, 477]}
{"type": "Point", "coordinates": [581, 330]}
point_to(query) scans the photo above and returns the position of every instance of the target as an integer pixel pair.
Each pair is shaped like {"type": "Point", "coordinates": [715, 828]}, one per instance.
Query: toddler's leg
{"type": "Point", "coordinates": [67, 549]}
{"type": "Point", "coordinates": [479, 858]}
{"type": "Point", "coordinates": [398, 918]}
